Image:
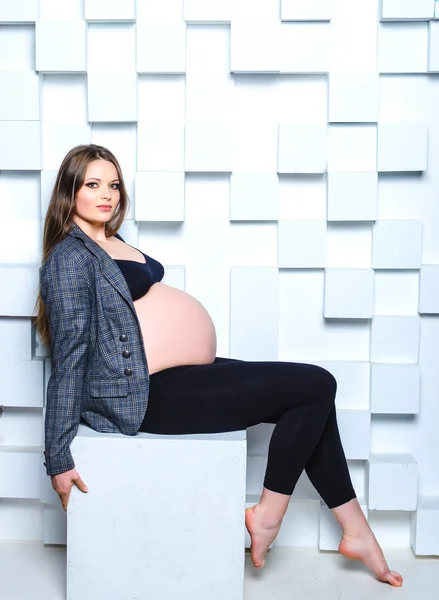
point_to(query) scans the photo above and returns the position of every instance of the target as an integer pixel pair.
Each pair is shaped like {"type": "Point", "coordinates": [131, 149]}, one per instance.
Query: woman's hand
{"type": "Point", "coordinates": [62, 484]}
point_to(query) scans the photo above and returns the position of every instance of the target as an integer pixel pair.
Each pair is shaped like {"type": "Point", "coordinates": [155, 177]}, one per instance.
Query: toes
{"type": "Point", "coordinates": [394, 579]}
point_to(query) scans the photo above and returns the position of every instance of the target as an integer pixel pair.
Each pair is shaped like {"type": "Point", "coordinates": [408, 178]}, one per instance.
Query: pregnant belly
{"type": "Point", "coordinates": [176, 328]}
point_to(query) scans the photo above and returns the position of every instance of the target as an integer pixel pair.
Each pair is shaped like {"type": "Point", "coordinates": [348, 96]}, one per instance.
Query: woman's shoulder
{"type": "Point", "coordinates": [69, 252]}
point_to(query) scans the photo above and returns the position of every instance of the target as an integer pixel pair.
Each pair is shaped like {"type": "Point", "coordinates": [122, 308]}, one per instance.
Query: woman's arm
{"type": "Point", "coordinates": [67, 297]}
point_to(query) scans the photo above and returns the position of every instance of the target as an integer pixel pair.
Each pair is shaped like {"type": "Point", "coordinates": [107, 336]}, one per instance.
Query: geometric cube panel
{"type": "Point", "coordinates": [207, 11]}
{"type": "Point", "coordinates": [110, 10]}
{"type": "Point", "coordinates": [254, 197]}
{"type": "Point", "coordinates": [209, 147]}
{"type": "Point", "coordinates": [19, 98]}
{"type": "Point", "coordinates": [429, 290]}
{"type": "Point", "coordinates": [61, 47]}
{"type": "Point", "coordinates": [302, 148]}
{"type": "Point", "coordinates": [25, 11]}
{"type": "Point", "coordinates": [424, 531]}
{"type": "Point", "coordinates": [397, 245]}
{"type": "Point", "coordinates": [16, 155]}
{"type": "Point", "coordinates": [352, 147]}
{"type": "Point", "coordinates": [395, 389]}
{"type": "Point", "coordinates": [352, 196]}
{"type": "Point", "coordinates": [395, 340]}
{"type": "Point", "coordinates": [433, 47]}
{"type": "Point", "coordinates": [349, 293]}
{"type": "Point", "coordinates": [304, 48]}
{"type": "Point", "coordinates": [312, 10]}
{"type": "Point", "coordinates": [159, 196]}
{"type": "Point", "coordinates": [160, 146]}
{"type": "Point", "coordinates": [403, 48]}
{"type": "Point", "coordinates": [353, 383]}
{"type": "Point", "coordinates": [254, 320]}
{"type": "Point", "coordinates": [407, 10]}
{"type": "Point", "coordinates": [402, 147]}
{"type": "Point", "coordinates": [161, 48]}
{"type": "Point", "coordinates": [302, 244]}
{"type": "Point", "coordinates": [22, 383]}
{"type": "Point", "coordinates": [393, 482]}
{"type": "Point", "coordinates": [354, 428]}
{"type": "Point", "coordinates": [255, 46]}
{"type": "Point", "coordinates": [353, 97]}
{"type": "Point", "coordinates": [120, 105]}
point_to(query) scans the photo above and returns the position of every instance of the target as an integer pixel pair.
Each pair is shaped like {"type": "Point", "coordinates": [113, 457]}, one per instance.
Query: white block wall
{"type": "Point", "coordinates": [281, 159]}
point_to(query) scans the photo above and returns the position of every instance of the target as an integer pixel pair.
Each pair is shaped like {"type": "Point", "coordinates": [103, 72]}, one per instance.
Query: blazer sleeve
{"type": "Point", "coordinates": [67, 297]}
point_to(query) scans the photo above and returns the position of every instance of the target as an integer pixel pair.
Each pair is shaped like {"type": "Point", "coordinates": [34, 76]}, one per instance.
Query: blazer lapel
{"type": "Point", "coordinates": [108, 267]}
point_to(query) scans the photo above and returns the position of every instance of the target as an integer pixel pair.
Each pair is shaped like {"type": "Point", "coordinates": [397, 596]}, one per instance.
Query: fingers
{"type": "Point", "coordinates": [80, 484]}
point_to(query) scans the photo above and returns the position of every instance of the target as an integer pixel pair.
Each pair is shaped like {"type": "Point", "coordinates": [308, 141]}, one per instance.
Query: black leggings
{"type": "Point", "coordinates": [229, 395]}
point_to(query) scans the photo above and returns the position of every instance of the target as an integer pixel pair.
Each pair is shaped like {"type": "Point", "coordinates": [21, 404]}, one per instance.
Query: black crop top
{"type": "Point", "coordinates": [140, 276]}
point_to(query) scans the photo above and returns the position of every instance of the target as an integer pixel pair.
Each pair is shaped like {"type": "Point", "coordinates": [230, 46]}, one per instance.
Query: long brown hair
{"type": "Point", "coordinates": [59, 217]}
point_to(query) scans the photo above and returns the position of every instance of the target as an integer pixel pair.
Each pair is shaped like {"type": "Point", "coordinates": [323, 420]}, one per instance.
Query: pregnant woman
{"type": "Point", "coordinates": [130, 354]}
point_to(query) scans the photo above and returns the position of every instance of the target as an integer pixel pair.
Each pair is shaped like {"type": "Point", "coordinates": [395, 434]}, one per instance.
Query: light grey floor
{"type": "Point", "coordinates": [29, 571]}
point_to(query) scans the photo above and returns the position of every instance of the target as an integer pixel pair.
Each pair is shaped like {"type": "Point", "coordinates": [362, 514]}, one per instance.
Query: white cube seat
{"type": "Point", "coordinates": [163, 518]}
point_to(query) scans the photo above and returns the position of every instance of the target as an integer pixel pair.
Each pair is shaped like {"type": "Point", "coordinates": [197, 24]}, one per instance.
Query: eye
{"type": "Point", "coordinates": [115, 186]}
{"type": "Point", "coordinates": [91, 184]}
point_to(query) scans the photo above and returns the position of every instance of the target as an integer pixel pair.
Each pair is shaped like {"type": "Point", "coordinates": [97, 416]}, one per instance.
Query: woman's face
{"type": "Point", "coordinates": [99, 197]}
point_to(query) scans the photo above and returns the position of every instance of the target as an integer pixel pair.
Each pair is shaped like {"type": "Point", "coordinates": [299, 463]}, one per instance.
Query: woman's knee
{"type": "Point", "coordinates": [326, 385]}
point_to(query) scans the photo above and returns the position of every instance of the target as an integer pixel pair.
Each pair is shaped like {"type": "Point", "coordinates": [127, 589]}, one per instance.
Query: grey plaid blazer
{"type": "Point", "coordinates": [99, 365]}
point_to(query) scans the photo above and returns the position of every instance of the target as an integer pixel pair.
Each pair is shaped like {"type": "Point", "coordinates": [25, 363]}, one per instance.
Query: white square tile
{"type": "Point", "coordinates": [304, 48]}
{"type": "Point", "coordinates": [402, 147]}
{"type": "Point", "coordinates": [160, 146]}
{"type": "Point", "coordinates": [424, 527]}
{"type": "Point", "coordinates": [161, 48]}
{"type": "Point", "coordinates": [59, 138]}
{"type": "Point", "coordinates": [209, 147]}
{"type": "Point", "coordinates": [159, 197]}
{"type": "Point", "coordinates": [353, 97]}
{"type": "Point", "coordinates": [352, 196]}
{"type": "Point", "coordinates": [302, 244]}
{"type": "Point", "coordinates": [61, 46]}
{"type": "Point", "coordinates": [19, 99]}
{"type": "Point", "coordinates": [349, 293]}
{"type": "Point", "coordinates": [54, 524]}
{"type": "Point", "coordinates": [403, 48]}
{"type": "Point", "coordinates": [25, 11]}
{"type": "Point", "coordinates": [22, 382]}
{"type": "Point", "coordinates": [120, 106]}
{"type": "Point", "coordinates": [395, 389]}
{"type": "Point", "coordinates": [429, 290]}
{"type": "Point", "coordinates": [18, 156]}
{"type": "Point", "coordinates": [395, 340]}
{"type": "Point", "coordinates": [254, 197]}
{"type": "Point", "coordinates": [393, 482]}
{"type": "Point", "coordinates": [354, 426]}
{"type": "Point", "coordinates": [23, 278]}
{"type": "Point", "coordinates": [111, 47]}
{"type": "Point", "coordinates": [20, 468]}
{"type": "Point", "coordinates": [311, 10]}
{"type": "Point", "coordinates": [255, 46]}
{"type": "Point", "coordinates": [353, 383]}
{"type": "Point", "coordinates": [397, 245]}
{"type": "Point", "coordinates": [254, 313]}
{"type": "Point", "coordinates": [410, 10]}
{"type": "Point", "coordinates": [433, 47]}
{"type": "Point", "coordinates": [352, 148]}
{"type": "Point", "coordinates": [110, 10]}
{"type": "Point", "coordinates": [302, 148]}
{"type": "Point", "coordinates": [208, 11]}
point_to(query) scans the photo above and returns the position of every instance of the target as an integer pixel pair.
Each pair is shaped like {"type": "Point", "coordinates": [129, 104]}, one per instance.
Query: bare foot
{"type": "Point", "coordinates": [370, 553]}
{"type": "Point", "coordinates": [262, 532]}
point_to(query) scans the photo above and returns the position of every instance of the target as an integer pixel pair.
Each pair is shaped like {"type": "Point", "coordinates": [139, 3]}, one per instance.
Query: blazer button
{"type": "Point", "coordinates": [126, 353]}
{"type": "Point", "coordinates": [128, 372]}
{"type": "Point", "coordinates": [123, 338]}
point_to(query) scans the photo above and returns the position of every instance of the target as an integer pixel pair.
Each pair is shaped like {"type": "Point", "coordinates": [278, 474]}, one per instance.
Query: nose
{"type": "Point", "coordinates": [105, 193]}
